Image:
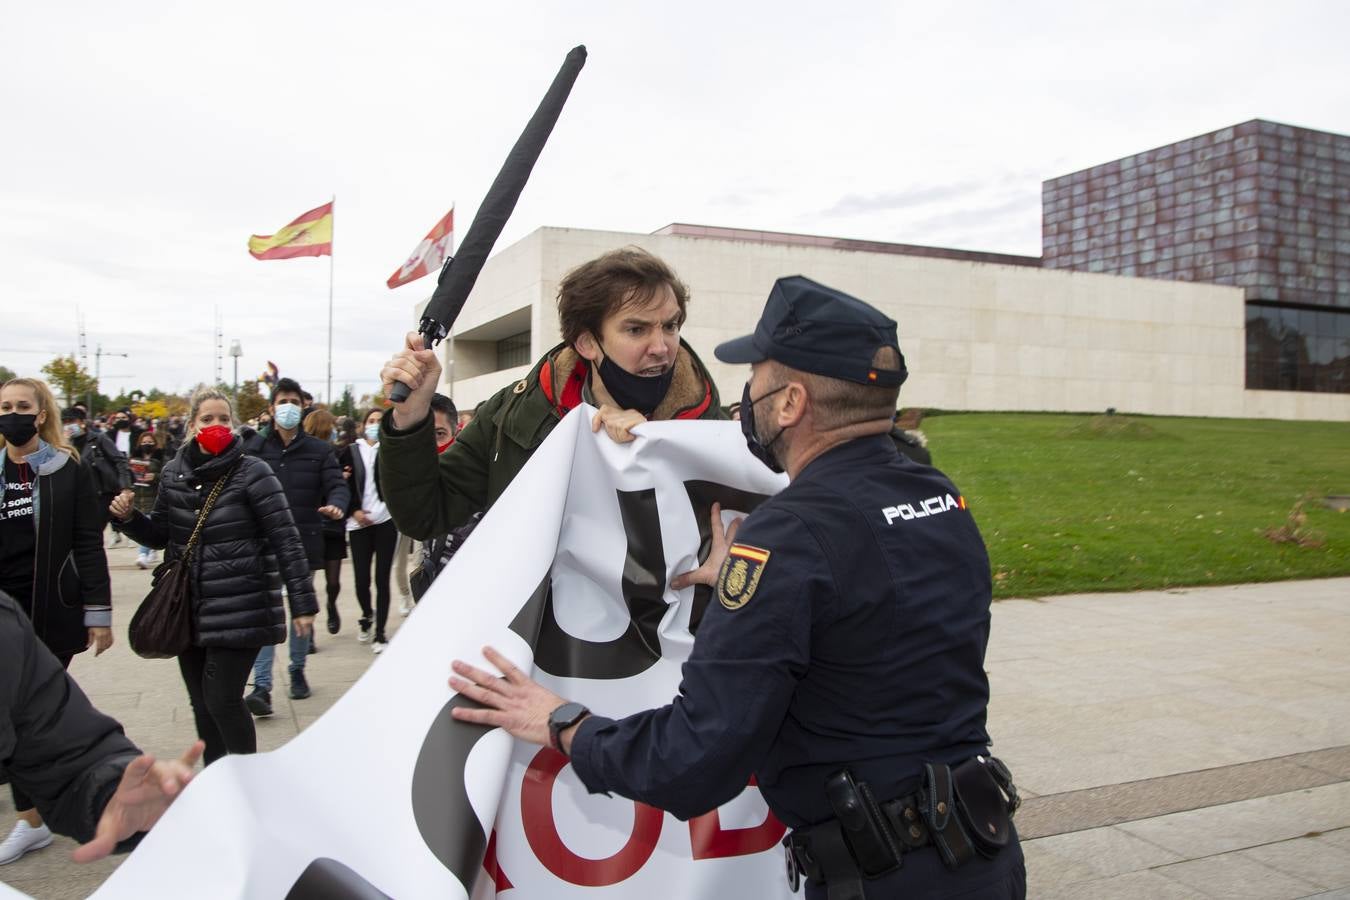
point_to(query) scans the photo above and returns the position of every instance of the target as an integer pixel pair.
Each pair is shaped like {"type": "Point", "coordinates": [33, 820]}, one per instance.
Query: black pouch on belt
{"type": "Point", "coordinates": [938, 806]}
{"type": "Point", "coordinates": [862, 824]}
{"type": "Point", "coordinates": [982, 807]}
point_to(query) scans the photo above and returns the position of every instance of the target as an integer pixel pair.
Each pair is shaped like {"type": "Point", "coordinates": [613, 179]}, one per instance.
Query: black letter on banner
{"type": "Point", "coordinates": [440, 801]}
{"type": "Point", "coordinates": [644, 582]}
{"type": "Point", "coordinates": [328, 879]}
{"type": "Point", "coordinates": [702, 495]}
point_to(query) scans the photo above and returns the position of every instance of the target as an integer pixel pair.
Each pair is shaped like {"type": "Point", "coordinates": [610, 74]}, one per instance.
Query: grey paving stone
{"type": "Point", "coordinates": [1236, 876]}
{"type": "Point", "coordinates": [1317, 860]}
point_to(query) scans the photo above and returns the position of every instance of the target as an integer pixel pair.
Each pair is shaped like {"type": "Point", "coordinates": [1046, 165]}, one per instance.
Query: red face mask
{"type": "Point", "coordinates": [214, 438]}
{"type": "Point", "coordinates": [441, 448]}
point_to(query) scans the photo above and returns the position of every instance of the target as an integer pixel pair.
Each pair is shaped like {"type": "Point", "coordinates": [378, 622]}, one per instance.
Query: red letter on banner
{"type": "Point", "coordinates": [536, 812]}
{"type": "Point", "coordinates": [708, 840]}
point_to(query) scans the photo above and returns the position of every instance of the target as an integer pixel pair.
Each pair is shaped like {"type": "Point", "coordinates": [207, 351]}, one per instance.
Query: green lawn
{"type": "Point", "coordinates": [1079, 503]}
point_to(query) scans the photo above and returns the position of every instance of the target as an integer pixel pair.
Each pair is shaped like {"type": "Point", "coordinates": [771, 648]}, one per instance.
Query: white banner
{"type": "Point", "coordinates": [569, 576]}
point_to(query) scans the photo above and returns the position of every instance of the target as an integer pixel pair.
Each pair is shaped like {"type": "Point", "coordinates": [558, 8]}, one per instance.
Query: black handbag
{"type": "Point", "coordinates": [163, 624]}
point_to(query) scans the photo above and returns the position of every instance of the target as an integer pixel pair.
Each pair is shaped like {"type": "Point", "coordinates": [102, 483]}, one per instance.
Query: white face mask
{"type": "Point", "coordinates": [373, 432]}
{"type": "Point", "coordinates": [288, 415]}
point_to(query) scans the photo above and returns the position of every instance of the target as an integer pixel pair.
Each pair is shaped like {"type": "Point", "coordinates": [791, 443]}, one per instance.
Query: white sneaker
{"type": "Point", "coordinates": [23, 838]}
{"type": "Point", "coordinates": [366, 634]}
{"type": "Point", "coordinates": [406, 606]}
{"type": "Point", "coordinates": [378, 647]}
{"type": "Point", "coordinates": [142, 562]}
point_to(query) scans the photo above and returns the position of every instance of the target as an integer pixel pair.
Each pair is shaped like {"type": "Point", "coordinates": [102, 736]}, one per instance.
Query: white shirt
{"type": "Point", "coordinates": [370, 500]}
{"type": "Point", "coordinates": [123, 440]}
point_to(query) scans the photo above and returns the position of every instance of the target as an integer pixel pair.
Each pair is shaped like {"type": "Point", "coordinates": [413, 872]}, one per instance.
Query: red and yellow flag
{"type": "Point", "coordinates": [309, 235]}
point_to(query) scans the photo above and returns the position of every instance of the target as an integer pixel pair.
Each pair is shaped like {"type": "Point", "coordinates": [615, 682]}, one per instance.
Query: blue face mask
{"type": "Point", "coordinates": [373, 432]}
{"type": "Point", "coordinates": [287, 415]}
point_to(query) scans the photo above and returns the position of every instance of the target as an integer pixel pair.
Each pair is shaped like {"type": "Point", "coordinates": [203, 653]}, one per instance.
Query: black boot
{"type": "Point", "coordinates": [259, 703]}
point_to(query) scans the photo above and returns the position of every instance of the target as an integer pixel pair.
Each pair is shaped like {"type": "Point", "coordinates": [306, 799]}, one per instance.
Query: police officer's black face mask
{"type": "Point", "coordinates": [762, 450]}
{"type": "Point", "coordinates": [641, 392]}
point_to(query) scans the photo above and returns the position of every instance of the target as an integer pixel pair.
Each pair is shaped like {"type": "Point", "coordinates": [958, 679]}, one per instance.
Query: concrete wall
{"type": "Point", "coordinates": [975, 335]}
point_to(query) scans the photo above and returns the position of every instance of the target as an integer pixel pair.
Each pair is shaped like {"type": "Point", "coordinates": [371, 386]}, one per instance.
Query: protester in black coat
{"type": "Point", "coordinates": [51, 552]}
{"type": "Point", "coordinates": [71, 759]}
{"type": "Point", "coordinates": [309, 473]}
{"type": "Point", "coordinates": [248, 546]}
{"type": "Point", "coordinates": [98, 453]}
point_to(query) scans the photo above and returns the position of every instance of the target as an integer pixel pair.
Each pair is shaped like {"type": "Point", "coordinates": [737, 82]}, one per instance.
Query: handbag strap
{"type": "Point", "coordinates": [206, 511]}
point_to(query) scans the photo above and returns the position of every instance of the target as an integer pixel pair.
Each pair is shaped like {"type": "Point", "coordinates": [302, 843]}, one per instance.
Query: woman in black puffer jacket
{"type": "Point", "coordinates": [248, 548]}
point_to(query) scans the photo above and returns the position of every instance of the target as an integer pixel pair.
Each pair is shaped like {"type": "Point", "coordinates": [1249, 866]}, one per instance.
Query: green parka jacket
{"type": "Point", "coordinates": [428, 497]}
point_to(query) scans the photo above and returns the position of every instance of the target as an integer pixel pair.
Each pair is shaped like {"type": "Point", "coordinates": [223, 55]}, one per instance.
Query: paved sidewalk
{"type": "Point", "coordinates": [1188, 743]}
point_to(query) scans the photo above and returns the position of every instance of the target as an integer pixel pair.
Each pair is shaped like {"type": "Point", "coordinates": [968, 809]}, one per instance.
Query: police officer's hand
{"type": "Point", "coordinates": [618, 423]}
{"type": "Point", "coordinates": [514, 702]}
{"type": "Point", "coordinates": [331, 512]}
{"type": "Point", "coordinates": [147, 788]}
{"type": "Point", "coordinates": [722, 539]}
{"type": "Point", "coordinates": [420, 370]}
{"type": "Point", "coordinates": [303, 625]}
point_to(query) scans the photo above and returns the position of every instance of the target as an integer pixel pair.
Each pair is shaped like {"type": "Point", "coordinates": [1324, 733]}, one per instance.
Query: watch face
{"type": "Point", "coordinates": [566, 715]}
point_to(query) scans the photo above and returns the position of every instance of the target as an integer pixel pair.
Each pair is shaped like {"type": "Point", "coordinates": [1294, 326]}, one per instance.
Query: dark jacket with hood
{"type": "Point", "coordinates": [428, 497]}
{"type": "Point", "coordinates": [54, 745]}
{"type": "Point", "coordinates": [71, 589]}
{"type": "Point", "coordinates": [309, 474]}
{"type": "Point", "coordinates": [248, 546]}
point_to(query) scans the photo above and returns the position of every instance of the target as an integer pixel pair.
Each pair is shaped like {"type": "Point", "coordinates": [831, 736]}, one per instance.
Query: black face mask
{"type": "Point", "coordinates": [18, 428]}
{"type": "Point", "coordinates": [122, 425]}
{"type": "Point", "coordinates": [630, 391]}
{"type": "Point", "coordinates": [759, 449]}
{"type": "Point", "coordinates": [175, 428]}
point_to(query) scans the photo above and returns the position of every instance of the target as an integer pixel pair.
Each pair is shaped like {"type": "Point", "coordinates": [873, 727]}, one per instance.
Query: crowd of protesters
{"type": "Point", "coordinates": [292, 493]}
{"type": "Point", "coordinates": [298, 484]}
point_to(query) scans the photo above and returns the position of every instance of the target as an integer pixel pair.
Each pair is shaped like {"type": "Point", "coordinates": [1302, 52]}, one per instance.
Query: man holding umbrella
{"type": "Point", "coordinates": [620, 316]}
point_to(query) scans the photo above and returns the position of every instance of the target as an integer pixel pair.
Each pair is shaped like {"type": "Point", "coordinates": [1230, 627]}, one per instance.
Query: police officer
{"type": "Point", "coordinates": [843, 663]}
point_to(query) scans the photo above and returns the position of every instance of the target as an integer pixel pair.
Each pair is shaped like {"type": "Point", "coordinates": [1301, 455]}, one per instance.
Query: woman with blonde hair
{"type": "Point", "coordinates": [248, 547]}
{"type": "Point", "coordinates": [51, 551]}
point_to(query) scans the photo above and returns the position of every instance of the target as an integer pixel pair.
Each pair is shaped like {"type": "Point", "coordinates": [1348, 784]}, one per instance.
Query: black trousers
{"type": "Point", "coordinates": [378, 541]}
{"type": "Point", "coordinates": [23, 802]}
{"type": "Point", "coordinates": [215, 679]}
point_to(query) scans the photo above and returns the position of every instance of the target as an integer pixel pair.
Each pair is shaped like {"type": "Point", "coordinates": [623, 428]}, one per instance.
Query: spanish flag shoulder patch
{"type": "Point", "coordinates": [740, 574]}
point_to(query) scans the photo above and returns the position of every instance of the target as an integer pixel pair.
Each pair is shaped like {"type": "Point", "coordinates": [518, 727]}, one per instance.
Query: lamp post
{"type": "Point", "coordinates": [236, 351]}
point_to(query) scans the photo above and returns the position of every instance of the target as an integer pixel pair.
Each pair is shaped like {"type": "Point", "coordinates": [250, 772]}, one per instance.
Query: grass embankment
{"type": "Point", "coordinates": [1096, 503]}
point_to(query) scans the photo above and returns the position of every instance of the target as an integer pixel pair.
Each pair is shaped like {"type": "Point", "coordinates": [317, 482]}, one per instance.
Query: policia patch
{"type": "Point", "coordinates": [740, 575]}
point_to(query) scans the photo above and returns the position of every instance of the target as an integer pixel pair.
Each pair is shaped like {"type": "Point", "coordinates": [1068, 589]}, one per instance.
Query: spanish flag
{"type": "Point", "coordinates": [309, 235]}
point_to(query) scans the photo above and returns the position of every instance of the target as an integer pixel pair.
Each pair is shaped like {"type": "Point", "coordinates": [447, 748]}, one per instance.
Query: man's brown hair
{"type": "Point", "coordinates": [595, 290]}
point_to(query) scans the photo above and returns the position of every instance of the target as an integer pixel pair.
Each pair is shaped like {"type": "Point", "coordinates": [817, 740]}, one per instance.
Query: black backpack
{"type": "Point", "coordinates": [107, 476]}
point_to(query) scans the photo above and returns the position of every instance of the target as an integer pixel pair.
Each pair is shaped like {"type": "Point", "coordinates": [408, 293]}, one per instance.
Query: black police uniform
{"type": "Point", "coordinates": [849, 632]}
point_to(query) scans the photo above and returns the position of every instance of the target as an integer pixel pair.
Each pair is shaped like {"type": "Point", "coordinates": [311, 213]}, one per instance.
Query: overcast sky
{"type": "Point", "coordinates": [144, 142]}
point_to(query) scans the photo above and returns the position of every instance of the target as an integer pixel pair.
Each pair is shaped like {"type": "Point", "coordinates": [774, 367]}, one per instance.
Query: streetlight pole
{"type": "Point", "coordinates": [236, 351]}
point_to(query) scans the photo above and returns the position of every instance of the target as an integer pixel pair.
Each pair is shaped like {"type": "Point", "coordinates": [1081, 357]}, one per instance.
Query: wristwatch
{"type": "Point", "coordinates": [561, 719]}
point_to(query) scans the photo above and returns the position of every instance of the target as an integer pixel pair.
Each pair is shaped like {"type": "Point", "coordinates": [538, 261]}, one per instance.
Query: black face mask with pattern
{"type": "Point", "coordinates": [761, 450]}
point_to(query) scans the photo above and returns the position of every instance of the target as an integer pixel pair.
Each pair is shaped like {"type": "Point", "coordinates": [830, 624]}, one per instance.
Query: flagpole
{"type": "Point", "coordinates": [328, 397]}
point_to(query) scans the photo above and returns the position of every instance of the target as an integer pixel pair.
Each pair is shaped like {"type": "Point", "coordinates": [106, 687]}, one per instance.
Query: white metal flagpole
{"type": "Point", "coordinates": [328, 396]}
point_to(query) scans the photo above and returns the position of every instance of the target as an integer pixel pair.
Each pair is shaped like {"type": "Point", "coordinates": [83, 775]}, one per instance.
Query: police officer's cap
{"type": "Point", "coordinates": [813, 328]}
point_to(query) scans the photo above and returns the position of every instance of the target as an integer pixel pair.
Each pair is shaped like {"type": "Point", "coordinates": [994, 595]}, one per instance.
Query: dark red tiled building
{"type": "Point", "coordinates": [1260, 205]}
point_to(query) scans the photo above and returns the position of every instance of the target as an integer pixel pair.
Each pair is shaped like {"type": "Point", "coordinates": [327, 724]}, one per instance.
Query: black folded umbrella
{"type": "Point", "coordinates": [459, 274]}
